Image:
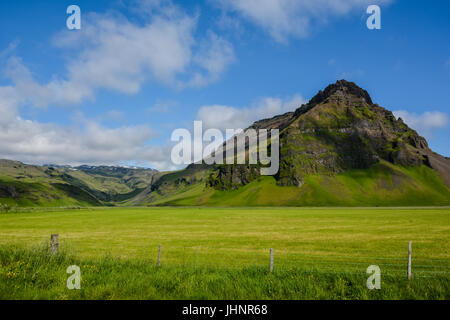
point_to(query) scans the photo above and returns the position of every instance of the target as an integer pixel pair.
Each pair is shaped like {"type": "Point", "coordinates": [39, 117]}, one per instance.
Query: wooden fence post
{"type": "Point", "coordinates": [271, 259]}
{"type": "Point", "coordinates": [409, 260]}
{"type": "Point", "coordinates": [159, 256]}
{"type": "Point", "coordinates": [54, 243]}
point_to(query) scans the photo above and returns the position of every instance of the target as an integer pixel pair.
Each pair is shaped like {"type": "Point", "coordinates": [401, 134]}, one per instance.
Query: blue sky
{"type": "Point", "coordinates": [112, 92]}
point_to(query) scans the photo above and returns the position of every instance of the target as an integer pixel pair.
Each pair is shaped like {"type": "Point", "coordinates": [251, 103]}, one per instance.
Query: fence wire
{"type": "Point", "coordinates": [203, 256]}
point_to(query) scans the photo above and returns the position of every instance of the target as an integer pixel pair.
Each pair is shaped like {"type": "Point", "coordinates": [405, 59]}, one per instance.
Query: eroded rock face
{"type": "Point", "coordinates": [338, 130]}
{"type": "Point", "coordinates": [230, 177]}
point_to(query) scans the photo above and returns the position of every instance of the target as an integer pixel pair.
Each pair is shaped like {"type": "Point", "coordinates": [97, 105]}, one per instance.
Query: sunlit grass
{"type": "Point", "coordinates": [223, 253]}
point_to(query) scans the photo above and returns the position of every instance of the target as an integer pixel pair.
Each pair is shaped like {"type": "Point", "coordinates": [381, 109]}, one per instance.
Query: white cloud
{"type": "Point", "coordinates": [227, 117]}
{"type": "Point", "coordinates": [115, 53]}
{"type": "Point", "coordinates": [8, 102]}
{"type": "Point", "coordinates": [34, 142]}
{"type": "Point", "coordinates": [214, 55]}
{"type": "Point", "coordinates": [426, 123]}
{"type": "Point", "coordinates": [83, 142]}
{"type": "Point", "coordinates": [285, 18]}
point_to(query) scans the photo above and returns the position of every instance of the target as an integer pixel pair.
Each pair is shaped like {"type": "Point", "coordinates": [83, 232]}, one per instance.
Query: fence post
{"type": "Point", "coordinates": [54, 243]}
{"type": "Point", "coordinates": [409, 260]}
{"type": "Point", "coordinates": [159, 256]}
{"type": "Point", "coordinates": [271, 259]}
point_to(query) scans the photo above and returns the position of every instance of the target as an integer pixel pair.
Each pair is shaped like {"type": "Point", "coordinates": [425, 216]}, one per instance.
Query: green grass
{"type": "Point", "coordinates": [223, 253]}
{"type": "Point", "coordinates": [383, 184]}
{"type": "Point", "coordinates": [36, 274]}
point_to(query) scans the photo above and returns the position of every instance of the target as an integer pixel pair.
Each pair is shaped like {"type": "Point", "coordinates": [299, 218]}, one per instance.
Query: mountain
{"type": "Point", "coordinates": [338, 149]}
{"type": "Point", "coordinates": [52, 185]}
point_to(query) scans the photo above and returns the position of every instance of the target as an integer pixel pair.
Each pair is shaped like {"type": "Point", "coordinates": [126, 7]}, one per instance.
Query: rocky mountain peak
{"type": "Point", "coordinates": [342, 91]}
{"type": "Point", "coordinates": [342, 88]}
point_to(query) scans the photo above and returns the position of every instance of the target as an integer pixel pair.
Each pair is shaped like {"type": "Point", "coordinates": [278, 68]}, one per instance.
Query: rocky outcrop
{"type": "Point", "coordinates": [230, 177]}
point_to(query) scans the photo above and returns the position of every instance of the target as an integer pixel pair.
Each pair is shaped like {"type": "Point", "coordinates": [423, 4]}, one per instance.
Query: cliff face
{"type": "Point", "coordinates": [338, 130]}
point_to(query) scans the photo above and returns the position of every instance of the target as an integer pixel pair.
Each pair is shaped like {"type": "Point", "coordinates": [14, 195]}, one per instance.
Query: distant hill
{"type": "Point", "coordinates": [51, 185]}
{"type": "Point", "coordinates": [339, 149]}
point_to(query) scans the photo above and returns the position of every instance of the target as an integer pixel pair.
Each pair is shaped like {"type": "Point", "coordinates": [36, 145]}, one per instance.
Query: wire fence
{"type": "Point", "coordinates": [423, 266]}
{"type": "Point", "coordinates": [231, 258]}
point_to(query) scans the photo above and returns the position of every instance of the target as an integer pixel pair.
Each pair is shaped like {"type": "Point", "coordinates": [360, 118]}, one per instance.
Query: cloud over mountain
{"type": "Point", "coordinates": [228, 117]}
{"type": "Point", "coordinates": [425, 123]}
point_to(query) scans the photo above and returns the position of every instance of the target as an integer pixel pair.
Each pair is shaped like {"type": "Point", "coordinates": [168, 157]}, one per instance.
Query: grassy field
{"type": "Point", "coordinates": [222, 253]}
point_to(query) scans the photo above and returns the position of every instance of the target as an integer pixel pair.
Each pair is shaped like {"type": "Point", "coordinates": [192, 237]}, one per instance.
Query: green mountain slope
{"type": "Point", "coordinates": [340, 149]}
{"type": "Point", "coordinates": [29, 185]}
{"type": "Point", "coordinates": [383, 184]}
